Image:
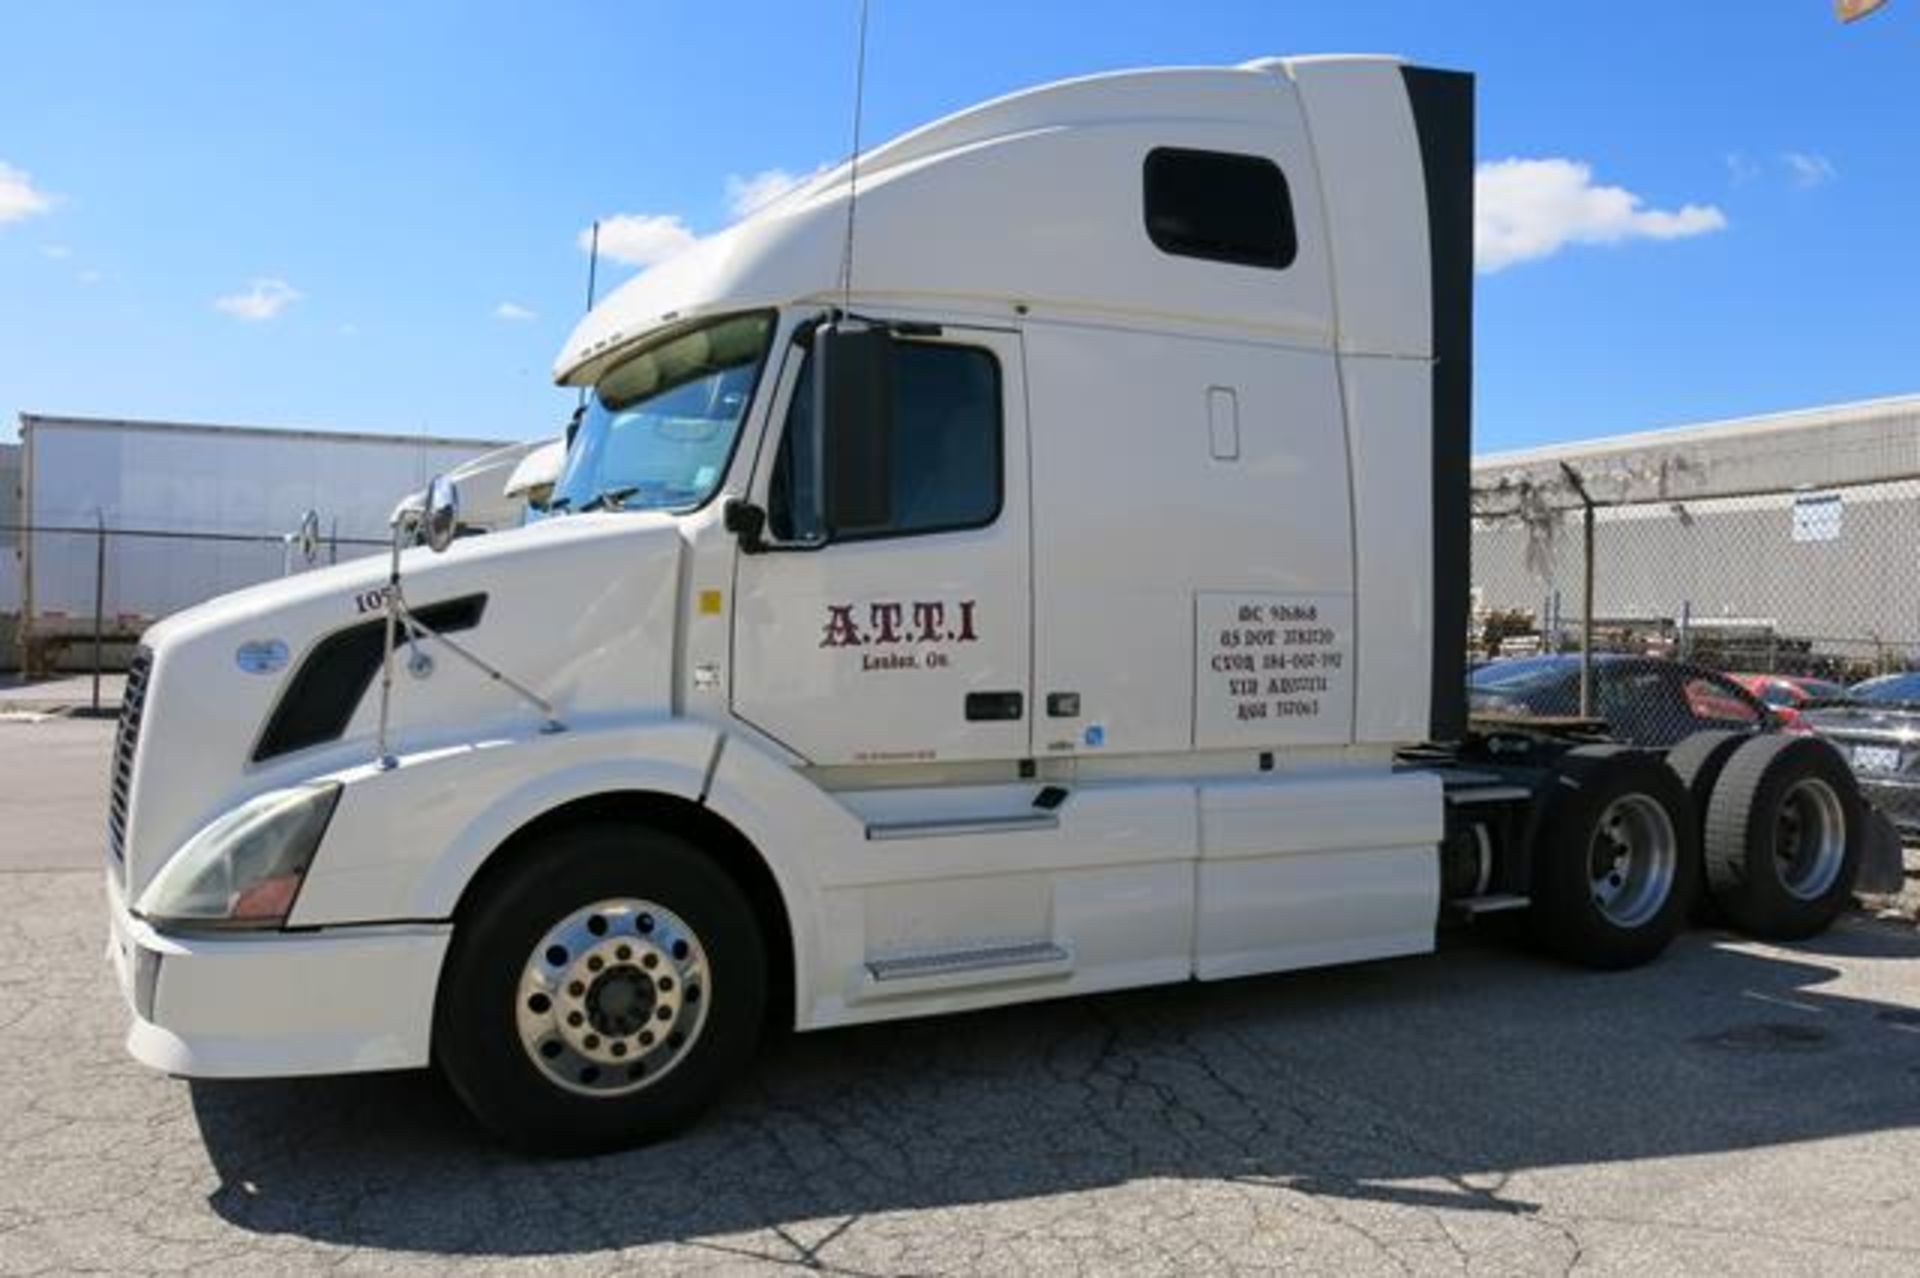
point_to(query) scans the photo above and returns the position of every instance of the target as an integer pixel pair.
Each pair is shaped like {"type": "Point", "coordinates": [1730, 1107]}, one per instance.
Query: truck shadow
{"type": "Point", "coordinates": [1423, 1082]}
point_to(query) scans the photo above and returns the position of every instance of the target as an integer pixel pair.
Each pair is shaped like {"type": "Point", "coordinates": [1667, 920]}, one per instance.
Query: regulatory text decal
{"type": "Point", "coordinates": [1274, 669]}
{"type": "Point", "coordinates": [914, 634]}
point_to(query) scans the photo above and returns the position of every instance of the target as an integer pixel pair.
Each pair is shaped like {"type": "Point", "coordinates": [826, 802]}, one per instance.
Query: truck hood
{"type": "Point", "coordinates": [581, 610]}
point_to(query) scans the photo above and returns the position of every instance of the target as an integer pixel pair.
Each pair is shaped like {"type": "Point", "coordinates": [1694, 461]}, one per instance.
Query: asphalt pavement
{"type": "Point", "coordinates": [1735, 1108]}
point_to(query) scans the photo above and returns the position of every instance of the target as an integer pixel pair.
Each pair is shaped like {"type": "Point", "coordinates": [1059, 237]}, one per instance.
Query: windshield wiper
{"type": "Point", "coordinates": [610, 498]}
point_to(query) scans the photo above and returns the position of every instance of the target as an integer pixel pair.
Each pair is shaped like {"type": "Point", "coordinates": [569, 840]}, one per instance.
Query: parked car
{"type": "Point", "coordinates": [1876, 724]}
{"type": "Point", "coordinates": [1786, 695]}
{"type": "Point", "coordinates": [1647, 701]}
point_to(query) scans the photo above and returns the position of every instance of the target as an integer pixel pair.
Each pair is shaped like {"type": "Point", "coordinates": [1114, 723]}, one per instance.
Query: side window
{"type": "Point", "coordinates": [1713, 701]}
{"type": "Point", "coordinates": [947, 472]}
{"type": "Point", "coordinates": [1220, 206]}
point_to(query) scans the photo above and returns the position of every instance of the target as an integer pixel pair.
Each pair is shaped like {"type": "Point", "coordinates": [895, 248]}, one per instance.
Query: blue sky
{"type": "Point", "coordinates": [366, 216]}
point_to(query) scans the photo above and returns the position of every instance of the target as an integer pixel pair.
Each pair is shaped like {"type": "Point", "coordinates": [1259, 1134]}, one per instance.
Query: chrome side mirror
{"type": "Point", "coordinates": [441, 518]}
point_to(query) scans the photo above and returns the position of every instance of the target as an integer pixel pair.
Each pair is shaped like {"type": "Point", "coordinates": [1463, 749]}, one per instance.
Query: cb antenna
{"type": "Point", "coordinates": [593, 269]}
{"type": "Point", "coordinates": [853, 164]}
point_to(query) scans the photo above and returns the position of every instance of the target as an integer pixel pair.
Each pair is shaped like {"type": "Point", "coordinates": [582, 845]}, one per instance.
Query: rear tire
{"type": "Point", "coordinates": [1617, 862]}
{"type": "Point", "coordinates": [1698, 761]}
{"type": "Point", "coordinates": [1784, 835]}
{"type": "Point", "coordinates": [601, 992]}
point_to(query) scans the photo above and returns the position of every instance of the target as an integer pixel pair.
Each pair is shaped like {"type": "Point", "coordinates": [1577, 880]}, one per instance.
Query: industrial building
{"type": "Point", "coordinates": [1790, 537]}
{"type": "Point", "coordinates": [144, 518]}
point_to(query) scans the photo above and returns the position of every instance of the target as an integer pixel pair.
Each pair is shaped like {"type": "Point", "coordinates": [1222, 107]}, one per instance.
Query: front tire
{"type": "Point", "coordinates": [1616, 866]}
{"type": "Point", "coordinates": [601, 992]}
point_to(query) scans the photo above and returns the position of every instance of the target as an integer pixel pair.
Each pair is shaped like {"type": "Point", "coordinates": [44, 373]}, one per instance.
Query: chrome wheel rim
{"type": "Point", "coordinates": [613, 997]}
{"type": "Point", "coordinates": [1632, 859]}
{"type": "Point", "coordinates": [1809, 838]}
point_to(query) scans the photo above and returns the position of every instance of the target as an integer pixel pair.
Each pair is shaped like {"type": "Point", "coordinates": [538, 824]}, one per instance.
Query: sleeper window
{"type": "Point", "coordinates": [946, 447]}
{"type": "Point", "coordinates": [1219, 206]}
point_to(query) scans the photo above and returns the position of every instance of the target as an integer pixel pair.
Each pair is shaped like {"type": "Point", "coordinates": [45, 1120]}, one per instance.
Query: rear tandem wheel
{"type": "Point", "coordinates": [1617, 862]}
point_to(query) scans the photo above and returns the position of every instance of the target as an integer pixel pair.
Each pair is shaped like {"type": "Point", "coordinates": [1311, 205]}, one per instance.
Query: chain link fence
{"type": "Point", "coordinates": [1788, 581]}
{"type": "Point", "coordinates": [86, 592]}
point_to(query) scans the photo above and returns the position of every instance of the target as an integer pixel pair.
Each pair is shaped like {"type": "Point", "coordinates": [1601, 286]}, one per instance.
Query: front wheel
{"type": "Point", "coordinates": [601, 992]}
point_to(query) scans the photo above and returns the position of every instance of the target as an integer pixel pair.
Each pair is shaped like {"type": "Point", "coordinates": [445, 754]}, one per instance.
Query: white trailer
{"type": "Point", "coordinates": [497, 488]}
{"type": "Point", "coordinates": [192, 511]}
{"type": "Point", "coordinates": [1074, 598]}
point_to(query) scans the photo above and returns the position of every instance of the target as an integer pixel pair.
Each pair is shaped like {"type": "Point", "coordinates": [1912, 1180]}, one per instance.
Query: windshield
{"type": "Point", "coordinates": [660, 425]}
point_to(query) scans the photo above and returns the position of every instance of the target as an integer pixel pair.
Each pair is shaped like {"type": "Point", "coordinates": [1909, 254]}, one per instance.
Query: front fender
{"type": "Point", "coordinates": [406, 840]}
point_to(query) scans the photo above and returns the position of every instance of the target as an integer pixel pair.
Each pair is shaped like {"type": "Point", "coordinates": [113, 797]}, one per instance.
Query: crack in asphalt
{"type": "Point", "coordinates": [1416, 1117]}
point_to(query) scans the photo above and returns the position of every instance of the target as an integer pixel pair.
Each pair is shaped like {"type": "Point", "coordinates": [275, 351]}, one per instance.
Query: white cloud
{"type": "Point", "coordinates": [512, 311]}
{"type": "Point", "coordinates": [57, 252]}
{"type": "Point", "coordinates": [640, 239]}
{"type": "Point", "coordinates": [19, 198]}
{"type": "Point", "coordinates": [91, 276]}
{"type": "Point", "coordinates": [1740, 168]}
{"type": "Point", "coordinates": [1808, 169]}
{"type": "Point", "coordinates": [746, 194]}
{"type": "Point", "coordinates": [262, 300]}
{"type": "Point", "coordinates": [646, 239]}
{"type": "Point", "coordinates": [1530, 209]}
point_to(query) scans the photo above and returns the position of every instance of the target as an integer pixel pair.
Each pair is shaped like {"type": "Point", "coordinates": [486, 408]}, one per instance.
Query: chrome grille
{"type": "Point", "coordinates": [120, 783]}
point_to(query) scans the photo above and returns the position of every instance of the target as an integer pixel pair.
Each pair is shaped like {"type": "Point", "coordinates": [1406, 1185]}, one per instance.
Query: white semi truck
{"type": "Point", "coordinates": [1057, 583]}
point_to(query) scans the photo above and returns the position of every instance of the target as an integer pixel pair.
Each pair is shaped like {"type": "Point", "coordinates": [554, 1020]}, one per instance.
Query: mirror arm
{"type": "Point", "coordinates": [746, 521]}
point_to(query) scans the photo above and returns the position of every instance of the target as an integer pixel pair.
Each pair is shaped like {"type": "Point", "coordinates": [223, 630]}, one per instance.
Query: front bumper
{"type": "Point", "coordinates": [276, 1004]}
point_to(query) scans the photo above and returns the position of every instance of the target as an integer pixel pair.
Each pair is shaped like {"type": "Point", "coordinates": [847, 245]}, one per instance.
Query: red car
{"type": "Point", "coordinates": [1787, 693]}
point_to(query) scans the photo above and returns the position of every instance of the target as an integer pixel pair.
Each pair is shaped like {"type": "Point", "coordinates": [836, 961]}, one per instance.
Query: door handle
{"type": "Point", "coordinates": [989, 706]}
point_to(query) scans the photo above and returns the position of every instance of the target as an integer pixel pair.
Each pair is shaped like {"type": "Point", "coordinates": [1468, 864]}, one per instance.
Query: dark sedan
{"type": "Point", "coordinates": [1877, 726]}
{"type": "Point", "coordinates": [1645, 701]}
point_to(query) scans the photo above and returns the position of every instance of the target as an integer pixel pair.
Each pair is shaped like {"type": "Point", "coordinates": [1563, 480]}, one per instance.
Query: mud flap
{"type": "Point", "coordinates": [1882, 867]}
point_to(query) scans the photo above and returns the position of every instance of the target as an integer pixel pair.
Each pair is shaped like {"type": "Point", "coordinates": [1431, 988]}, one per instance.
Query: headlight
{"type": "Point", "coordinates": [245, 869]}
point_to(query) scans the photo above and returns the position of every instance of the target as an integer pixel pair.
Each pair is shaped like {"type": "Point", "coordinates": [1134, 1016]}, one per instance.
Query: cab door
{"type": "Point", "coordinates": [910, 643]}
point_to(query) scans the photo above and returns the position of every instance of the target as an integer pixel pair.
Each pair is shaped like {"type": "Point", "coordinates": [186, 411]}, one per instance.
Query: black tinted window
{"type": "Point", "coordinates": [1220, 206]}
{"type": "Point", "coordinates": [946, 448]}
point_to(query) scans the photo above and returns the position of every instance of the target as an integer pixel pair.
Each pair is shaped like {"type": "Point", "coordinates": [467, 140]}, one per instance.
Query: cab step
{"type": "Point", "coordinates": [960, 968]}
{"type": "Point", "coordinates": [1492, 903]}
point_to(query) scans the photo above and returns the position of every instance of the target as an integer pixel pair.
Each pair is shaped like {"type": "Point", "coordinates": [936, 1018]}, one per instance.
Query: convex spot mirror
{"type": "Point", "coordinates": [441, 518]}
{"type": "Point", "coordinates": [853, 411]}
